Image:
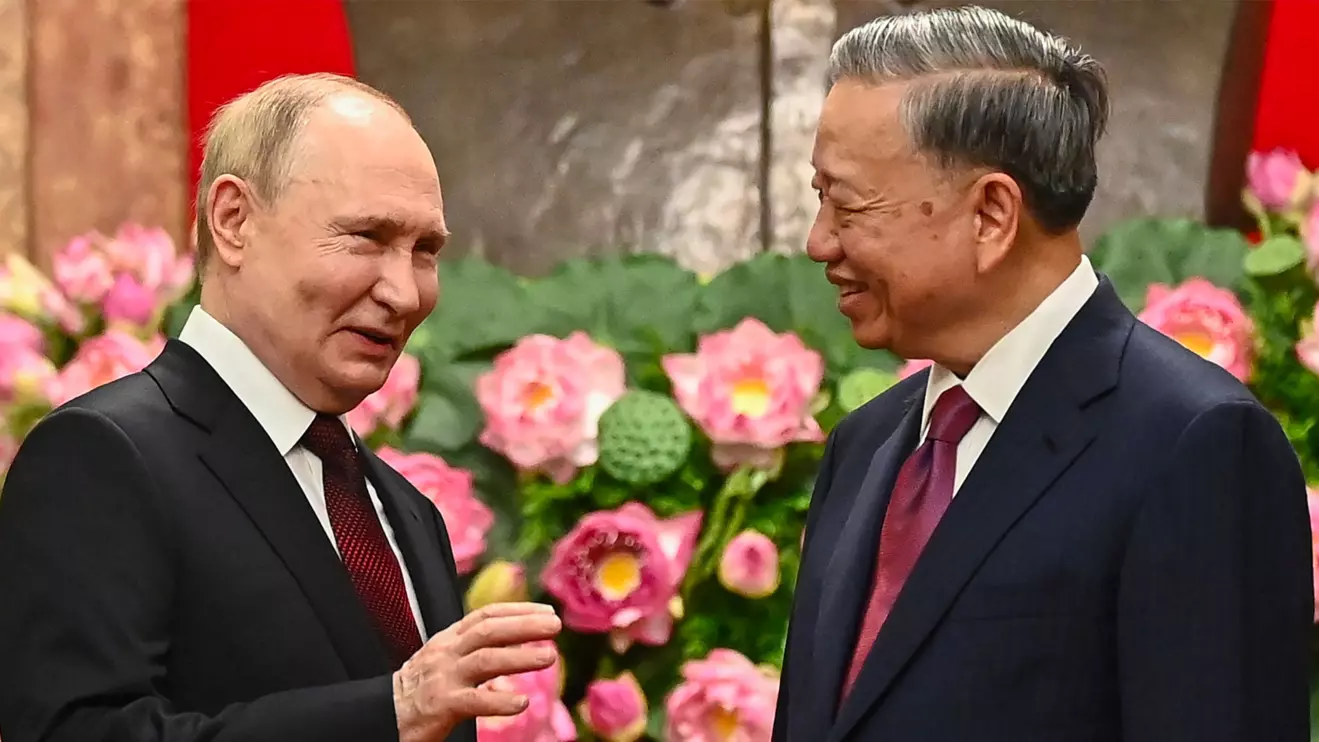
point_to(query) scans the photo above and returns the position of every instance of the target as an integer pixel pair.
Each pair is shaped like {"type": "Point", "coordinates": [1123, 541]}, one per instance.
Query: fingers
{"type": "Point", "coordinates": [500, 610]}
{"type": "Point", "coordinates": [472, 702]}
{"type": "Point", "coordinates": [492, 662]}
{"type": "Point", "coordinates": [508, 630]}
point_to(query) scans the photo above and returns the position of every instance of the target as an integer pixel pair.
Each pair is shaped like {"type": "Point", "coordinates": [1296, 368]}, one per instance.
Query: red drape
{"type": "Point", "coordinates": [235, 45]}
{"type": "Point", "coordinates": [1287, 114]}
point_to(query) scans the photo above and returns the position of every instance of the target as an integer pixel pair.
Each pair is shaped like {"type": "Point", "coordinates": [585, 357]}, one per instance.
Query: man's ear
{"type": "Point", "coordinates": [998, 204]}
{"type": "Point", "coordinates": [230, 207]}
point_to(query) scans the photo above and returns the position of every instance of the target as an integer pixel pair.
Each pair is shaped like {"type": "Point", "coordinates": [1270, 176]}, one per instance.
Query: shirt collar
{"type": "Point", "coordinates": [996, 380]}
{"type": "Point", "coordinates": [281, 414]}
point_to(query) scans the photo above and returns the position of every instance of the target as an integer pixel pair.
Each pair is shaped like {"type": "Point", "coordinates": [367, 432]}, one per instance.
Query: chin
{"type": "Point", "coordinates": [872, 335]}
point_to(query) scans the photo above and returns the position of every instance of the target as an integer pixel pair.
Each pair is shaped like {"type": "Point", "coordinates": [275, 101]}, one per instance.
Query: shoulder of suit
{"type": "Point", "coordinates": [133, 402]}
{"type": "Point", "coordinates": [1164, 378]}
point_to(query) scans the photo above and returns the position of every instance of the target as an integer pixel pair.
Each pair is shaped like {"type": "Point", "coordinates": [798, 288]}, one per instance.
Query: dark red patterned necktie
{"type": "Point", "coordinates": [921, 494]}
{"type": "Point", "coordinates": [365, 551]}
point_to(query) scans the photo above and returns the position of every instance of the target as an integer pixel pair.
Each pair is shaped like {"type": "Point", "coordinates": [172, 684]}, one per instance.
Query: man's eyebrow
{"type": "Point", "coordinates": [389, 222]}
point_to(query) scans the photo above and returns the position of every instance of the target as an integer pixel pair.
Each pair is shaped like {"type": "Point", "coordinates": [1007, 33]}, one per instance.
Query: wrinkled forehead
{"type": "Point", "coordinates": [860, 134]}
{"type": "Point", "coordinates": [373, 167]}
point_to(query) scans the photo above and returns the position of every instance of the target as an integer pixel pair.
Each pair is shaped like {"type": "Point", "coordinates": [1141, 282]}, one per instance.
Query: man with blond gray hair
{"type": "Point", "coordinates": [203, 550]}
{"type": "Point", "coordinates": [1068, 528]}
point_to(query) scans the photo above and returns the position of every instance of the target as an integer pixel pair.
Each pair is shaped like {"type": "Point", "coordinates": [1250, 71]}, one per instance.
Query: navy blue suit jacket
{"type": "Point", "coordinates": [1129, 559]}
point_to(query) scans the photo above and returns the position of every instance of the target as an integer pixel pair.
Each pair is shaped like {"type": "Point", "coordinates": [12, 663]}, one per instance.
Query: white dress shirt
{"type": "Point", "coordinates": [995, 381]}
{"type": "Point", "coordinates": [284, 418]}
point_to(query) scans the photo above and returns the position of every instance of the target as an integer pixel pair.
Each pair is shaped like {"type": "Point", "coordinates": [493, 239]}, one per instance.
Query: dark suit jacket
{"type": "Point", "coordinates": [162, 578]}
{"type": "Point", "coordinates": [1129, 559]}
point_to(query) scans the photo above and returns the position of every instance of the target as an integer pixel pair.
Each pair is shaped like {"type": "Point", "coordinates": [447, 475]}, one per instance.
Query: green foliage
{"type": "Point", "coordinates": [861, 386]}
{"type": "Point", "coordinates": [1274, 257]}
{"type": "Point", "coordinates": [788, 294]}
{"type": "Point", "coordinates": [482, 308]}
{"type": "Point", "coordinates": [1280, 309]}
{"type": "Point", "coordinates": [1140, 252]}
{"type": "Point", "coordinates": [641, 305]}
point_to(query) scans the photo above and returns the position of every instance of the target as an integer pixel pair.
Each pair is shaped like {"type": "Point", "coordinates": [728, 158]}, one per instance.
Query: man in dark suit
{"type": "Point", "coordinates": [201, 551]}
{"type": "Point", "coordinates": [1070, 527]}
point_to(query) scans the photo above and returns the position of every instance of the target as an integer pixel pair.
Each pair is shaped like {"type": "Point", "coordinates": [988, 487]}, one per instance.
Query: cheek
{"type": "Point", "coordinates": [428, 288]}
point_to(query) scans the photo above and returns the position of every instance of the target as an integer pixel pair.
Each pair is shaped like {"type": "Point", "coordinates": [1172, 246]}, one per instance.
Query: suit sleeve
{"type": "Point", "coordinates": [87, 581]}
{"type": "Point", "coordinates": [1216, 592]}
{"type": "Point", "coordinates": [818, 493]}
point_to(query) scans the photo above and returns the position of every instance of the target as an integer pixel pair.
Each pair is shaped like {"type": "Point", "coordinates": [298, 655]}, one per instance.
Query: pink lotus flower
{"type": "Point", "coordinates": [16, 332]}
{"type": "Point", "coordinates": [1276, 179]}
{"type": "Point", "coordinates": [1310, 236]}
{"type": "Point", "coordinates": [1204, 318]}
{"type": "Point", "coordinates": [24, 374]}
{"type": "Point", "coordinates": [391, 403]}
{"type": "Point", "coordinates": [545, 719]}
{"type": "Point", "coordinates": [543, 400]}
{"type": "Point", "coordinates": [913, 367]}
{"type": "Point", "coordinates": [618, 571]}
{"type": "Point", "coordinates": [749, 565]}
{"type": "Point", "coordinates": [466, 518]}
{"type": "Point", "coordinates": [1307, 348]}
{"type": "Point", "coordinates": [149, 256]}
{"type": "Point", "coordinates": [131, 276]}
{"type": "Point", "coordinates": [131, 301]}
{"type": "Point", "coordinates": [27, 292]}
{"type": "Point", "coordinates": [1313, 497]}
{"type": "Point", "coordinates": [723, 698]}
{"type": "Point", "coordinates": [750, 390]}
{"type": "Point", "coordinates": [82, 271]}
{"type": "Point", "coordinates": [615, 710]}
{"type": "Point", "coordinates": [101, 360]}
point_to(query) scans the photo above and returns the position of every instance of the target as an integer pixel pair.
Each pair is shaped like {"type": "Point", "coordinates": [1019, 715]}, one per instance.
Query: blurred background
{"type": "Point", "coordinates": [580, 127]}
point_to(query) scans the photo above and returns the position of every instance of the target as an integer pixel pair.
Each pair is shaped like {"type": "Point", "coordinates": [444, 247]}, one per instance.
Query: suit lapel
{"type": "Point", "coordinates": [1048, 426]}
{"type": "Point", "coordinates": [850, 566]}
{"type": "Point", "coordinates": [437, 594]}
{"type": "Point", "coordinates": [248, 465]}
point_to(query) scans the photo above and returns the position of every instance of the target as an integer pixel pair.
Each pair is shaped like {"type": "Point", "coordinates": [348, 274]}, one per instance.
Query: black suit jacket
{"type": "Point", "coordinates": [1129, 559]}
{"type": "Point", "coordinates": [163, 579]}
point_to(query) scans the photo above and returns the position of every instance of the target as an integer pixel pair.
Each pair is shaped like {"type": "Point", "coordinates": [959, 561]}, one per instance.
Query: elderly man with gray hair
{"type": "Point", "coordinates": [203, 551]}
{"type": "Point", "coordinates": [1069, 527]}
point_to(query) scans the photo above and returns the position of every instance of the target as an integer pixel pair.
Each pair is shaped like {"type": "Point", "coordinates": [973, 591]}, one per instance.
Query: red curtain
{"type": "Point", "coordinates": [1287, 114]}
{"type": "Point", "coordinates": [235, 45]}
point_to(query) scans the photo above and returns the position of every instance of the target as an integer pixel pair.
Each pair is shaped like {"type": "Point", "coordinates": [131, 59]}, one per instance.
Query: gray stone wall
{"type": "Point", "coordinates": [578, 127]}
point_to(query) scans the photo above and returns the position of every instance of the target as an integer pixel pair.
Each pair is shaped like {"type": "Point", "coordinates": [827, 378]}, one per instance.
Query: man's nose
{"type": "Point", "coordinates": [822, 244]}
{"type": "Point", "coordinates": [397, 286]}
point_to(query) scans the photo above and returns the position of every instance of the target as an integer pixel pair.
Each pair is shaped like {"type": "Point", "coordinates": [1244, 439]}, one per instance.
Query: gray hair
{"type": "Point", "coordinates": [991, 91]}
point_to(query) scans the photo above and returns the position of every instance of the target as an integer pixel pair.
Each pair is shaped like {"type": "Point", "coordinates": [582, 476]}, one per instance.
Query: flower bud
{"type": "Point", "coordinates": [499, 582]}
{"type": "Point", "coordinates": [750, 565]}
{"type": "Point", "coordinates": [615, 709]}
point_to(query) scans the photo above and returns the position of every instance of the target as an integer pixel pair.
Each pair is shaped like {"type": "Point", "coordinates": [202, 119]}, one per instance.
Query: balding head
{"type": "Point", "coordinates": [254, 137]}
{"type": "Point", "coordinates": [320, 220]}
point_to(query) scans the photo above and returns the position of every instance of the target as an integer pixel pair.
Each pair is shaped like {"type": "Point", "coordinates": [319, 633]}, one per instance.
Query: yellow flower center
{"type": "Point", "coordinates": [724, 722]}
{"type": "Point", "coordinates": [536, 394]}
{"type": "Point", "coordinates": [618, 575]}
{"type": "Point", "coordinates": [1199, 343]}
{"type": "Point", "coordinates": [751, 397]}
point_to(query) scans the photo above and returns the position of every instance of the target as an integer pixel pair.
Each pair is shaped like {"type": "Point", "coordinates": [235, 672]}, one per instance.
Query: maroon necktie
{"type": "Point", "coordinates": [365, 551]}
{"type": "Point", "coordinates": [921, 494]}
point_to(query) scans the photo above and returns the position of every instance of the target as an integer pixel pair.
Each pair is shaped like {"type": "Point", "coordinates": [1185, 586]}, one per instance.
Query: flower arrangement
{"type": "Point", "coordinates": [99, 318]}
{"type": "Point", "coordinates": [638, 445]}
{"type": "Point", "coordinates": [642, 445]}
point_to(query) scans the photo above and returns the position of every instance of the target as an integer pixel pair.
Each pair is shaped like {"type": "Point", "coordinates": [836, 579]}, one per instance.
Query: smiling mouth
{"type": "Point", "coordinates": [375, 337]}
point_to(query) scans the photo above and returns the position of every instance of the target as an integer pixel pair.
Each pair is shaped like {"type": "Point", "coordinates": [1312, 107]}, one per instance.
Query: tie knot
{"type": "Point", "coordinates": [954, 414]}
{"type": "Point", "coordinates": [329, 440]}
